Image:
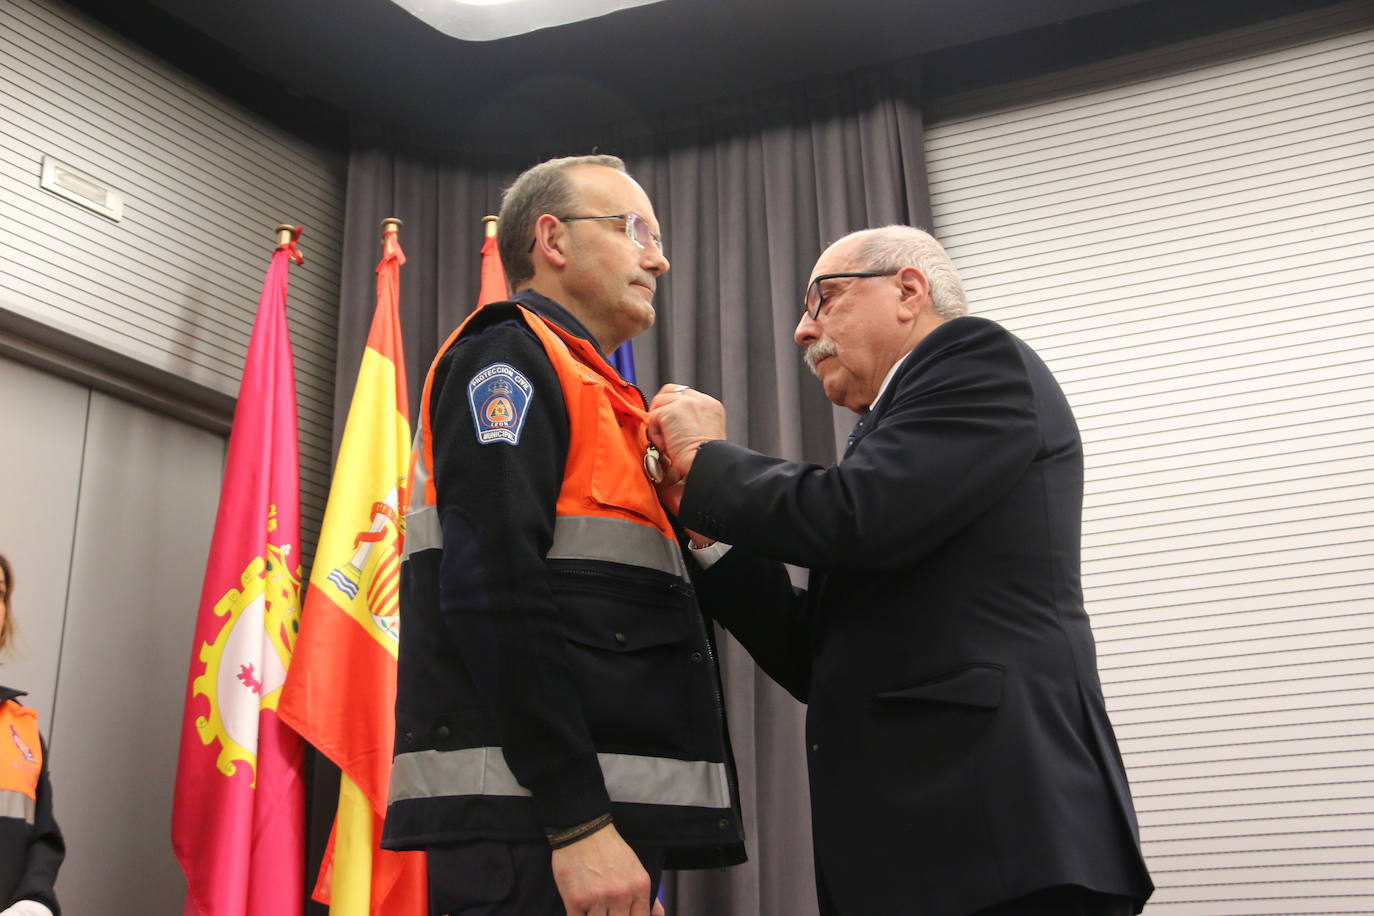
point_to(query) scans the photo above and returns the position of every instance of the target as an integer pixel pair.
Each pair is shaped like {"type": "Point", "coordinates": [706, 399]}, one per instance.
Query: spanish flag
{"type": "Point", "coordinates": [340, 693]}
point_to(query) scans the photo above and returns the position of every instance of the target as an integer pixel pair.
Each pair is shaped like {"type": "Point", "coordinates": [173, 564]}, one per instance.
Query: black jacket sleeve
{"type": "Point", "coordinates": [959, 430]}
{"type": "Point", "coordinates": [496, 505]}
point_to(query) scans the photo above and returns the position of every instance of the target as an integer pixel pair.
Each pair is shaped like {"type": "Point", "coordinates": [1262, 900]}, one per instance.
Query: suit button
{"type": "Point", "coordinates": [696, 656]}
{"type": "Point", "coordinates": [815, 747]}
{"type": "Point", "coordinates": [723, 823]}
{"type": "Point", "coordinates": [620, 639]}
{"type": "Point", "coordinates": [442, 731]}
{"type": "Point", "coordinates": [409, 738]}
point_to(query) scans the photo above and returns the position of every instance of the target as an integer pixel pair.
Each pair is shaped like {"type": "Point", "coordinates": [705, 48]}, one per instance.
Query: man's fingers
{"type": "Point", "coordinates": [640, 905]}
{"type": "Point", "coordinates": [669, 393]}
{"type": "Point", "coordinates": [654, 430]}
{"type": "Point", "coordinates": [665, 394]}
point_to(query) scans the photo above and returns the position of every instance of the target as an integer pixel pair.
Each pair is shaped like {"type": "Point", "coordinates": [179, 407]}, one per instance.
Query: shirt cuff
{"type": "Point", "coordinates": [27, 908]}
{"type": "Point", "coordinates": [707, 556]}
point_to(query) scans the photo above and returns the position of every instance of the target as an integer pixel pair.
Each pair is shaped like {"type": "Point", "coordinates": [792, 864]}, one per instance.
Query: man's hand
{"type": "Point", "coordinates": [600, 875]}
{"type": "Point", "coordinates": [681, 420]}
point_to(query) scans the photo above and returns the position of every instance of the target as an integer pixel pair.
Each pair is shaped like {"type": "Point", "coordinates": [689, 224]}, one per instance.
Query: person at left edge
{"type": "Point", "coordinates": [556, 683]}
{"type": "Point", "coordinates": [31, 847]}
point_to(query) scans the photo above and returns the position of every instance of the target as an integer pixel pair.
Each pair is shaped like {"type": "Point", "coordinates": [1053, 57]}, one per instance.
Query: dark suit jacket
{"type": "Point", "coordinates": [959, 748]}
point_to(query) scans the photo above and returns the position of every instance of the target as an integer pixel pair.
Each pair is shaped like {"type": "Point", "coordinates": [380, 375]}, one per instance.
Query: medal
{"type": "Point", "coordinates": [653, 465]}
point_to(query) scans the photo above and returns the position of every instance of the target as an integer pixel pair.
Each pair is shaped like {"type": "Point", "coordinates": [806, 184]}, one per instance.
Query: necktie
{"type": "Point", "coordinates": [854, 433]}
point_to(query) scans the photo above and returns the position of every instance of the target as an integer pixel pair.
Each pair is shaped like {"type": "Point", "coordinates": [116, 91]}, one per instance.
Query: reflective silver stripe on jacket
{"type": "Point", "coordinates": [629, 778]}
{"type": "Point", "coordinates": [422, 521]}
{"type": "Point", "coordinates": [615, 540]}
{"type": "Point", "coordinates": [575, 537]}
{"type": "Point", "coordinates": [17, 805]}
{"type": "Point", "coordinates": [422, 531]}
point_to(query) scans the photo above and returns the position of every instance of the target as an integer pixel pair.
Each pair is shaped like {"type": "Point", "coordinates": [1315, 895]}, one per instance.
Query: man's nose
{"type": "Point", "coordinates": [808, 331]}
{"type": "Point", "coordinates": [655, 261]}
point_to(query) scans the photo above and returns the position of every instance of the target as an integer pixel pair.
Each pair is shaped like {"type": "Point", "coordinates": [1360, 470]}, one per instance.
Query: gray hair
{"type": "Point", "coordinates": [540, 189]}
{"type": "Point", "coordinates": [895, 247]}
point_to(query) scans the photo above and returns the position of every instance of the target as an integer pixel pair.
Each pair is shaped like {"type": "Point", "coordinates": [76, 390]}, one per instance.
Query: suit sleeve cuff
{"type": "Point", "coordinates": [707, 492]}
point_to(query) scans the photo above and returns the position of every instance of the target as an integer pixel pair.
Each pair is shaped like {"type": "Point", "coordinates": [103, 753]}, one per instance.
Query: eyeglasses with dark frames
{"type": "Point", "coordinates": [815, 298]}
{"type": "Point", "coordinates": [636, 228]}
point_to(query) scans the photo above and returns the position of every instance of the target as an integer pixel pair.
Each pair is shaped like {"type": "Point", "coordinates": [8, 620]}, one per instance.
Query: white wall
{"type": "Point", "coordinates": [1187, 237]}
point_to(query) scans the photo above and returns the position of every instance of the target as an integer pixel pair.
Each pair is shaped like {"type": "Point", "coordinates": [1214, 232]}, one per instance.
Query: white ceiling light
{"type": "Point", "coordinates": [485, 20]}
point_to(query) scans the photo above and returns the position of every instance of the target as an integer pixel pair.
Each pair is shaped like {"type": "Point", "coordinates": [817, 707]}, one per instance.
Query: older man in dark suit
{"type": "Point", "coordinates": [961, 759]}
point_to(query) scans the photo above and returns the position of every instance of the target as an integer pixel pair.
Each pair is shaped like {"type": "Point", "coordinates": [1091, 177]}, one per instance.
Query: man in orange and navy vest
{"type": "Point", "coordinates": [560, 734]}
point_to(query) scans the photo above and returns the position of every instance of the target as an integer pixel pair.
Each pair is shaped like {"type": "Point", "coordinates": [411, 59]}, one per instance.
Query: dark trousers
{"type": "Point", "coordinates": [488, 878]}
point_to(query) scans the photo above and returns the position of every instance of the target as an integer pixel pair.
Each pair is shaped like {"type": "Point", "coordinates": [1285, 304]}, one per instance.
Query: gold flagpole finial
{"type": "Point", "coordinates": [391, 230]}
{"type": "Point", "coordinates": [489, 226]}
{"type": "Point", "coordinates": [284, 231]}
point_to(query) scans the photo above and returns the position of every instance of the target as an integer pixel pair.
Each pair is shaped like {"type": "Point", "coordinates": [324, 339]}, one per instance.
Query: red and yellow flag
{"type": "Point", "coordinates": [238, 822]}
{"type": "Point", "coordinates": [341, 692]}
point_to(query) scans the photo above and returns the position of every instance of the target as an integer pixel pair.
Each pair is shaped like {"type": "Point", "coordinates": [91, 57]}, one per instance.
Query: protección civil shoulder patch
{"type": "Point", "coordinates": [500, 398]}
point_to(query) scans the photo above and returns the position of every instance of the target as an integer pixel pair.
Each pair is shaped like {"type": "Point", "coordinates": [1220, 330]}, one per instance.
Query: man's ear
{"type": "Point", "coordinates": [550, 240]}
{"type": "Point", "coordinates": [915, 291]}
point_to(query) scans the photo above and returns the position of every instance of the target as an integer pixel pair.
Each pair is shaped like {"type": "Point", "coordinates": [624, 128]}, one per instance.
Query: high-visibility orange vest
{"type": "Point", "coordinates": [605, 510]}
{"type": "Point", "coordinates": [21, 760]}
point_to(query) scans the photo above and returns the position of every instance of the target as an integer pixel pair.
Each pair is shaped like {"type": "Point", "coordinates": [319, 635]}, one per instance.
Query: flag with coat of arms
{"type": "Point", "coordinates": [238, 815]}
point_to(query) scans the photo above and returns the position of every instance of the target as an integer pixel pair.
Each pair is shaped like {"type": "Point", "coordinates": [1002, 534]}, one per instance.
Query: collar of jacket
{"type": "Point", "coordinates": [547, 308]}
{"type": "Point", "coordinates": [9, 693]}
{"type": "Point", "coordinates": [936, 338]}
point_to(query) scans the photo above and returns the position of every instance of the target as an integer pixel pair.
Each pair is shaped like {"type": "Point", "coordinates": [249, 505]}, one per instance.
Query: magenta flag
{"type": "Point", "coordinates": [238, 815]}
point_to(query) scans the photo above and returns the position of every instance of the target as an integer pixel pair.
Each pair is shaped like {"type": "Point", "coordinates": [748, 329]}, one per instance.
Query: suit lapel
{"type": "Point", "coordinates": [869, 421]}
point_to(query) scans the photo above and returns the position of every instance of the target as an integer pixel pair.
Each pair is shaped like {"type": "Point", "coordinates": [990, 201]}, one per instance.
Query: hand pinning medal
{"type": "Point", "coordinates": [655, 462]}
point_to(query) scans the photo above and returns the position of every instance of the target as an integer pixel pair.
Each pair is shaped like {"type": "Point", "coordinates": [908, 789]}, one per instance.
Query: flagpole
{"type": "Point", "coordinates": [284, 231]}
{"type": "Point", "coordinates": [489, 226]}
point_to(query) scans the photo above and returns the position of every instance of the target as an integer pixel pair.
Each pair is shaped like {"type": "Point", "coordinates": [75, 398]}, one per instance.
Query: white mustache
{"type": "Point", "coordinates": [817, 352]}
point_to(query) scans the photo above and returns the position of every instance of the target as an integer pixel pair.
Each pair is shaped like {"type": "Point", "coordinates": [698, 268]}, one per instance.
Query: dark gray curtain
{"type": "Point", "coordinates": [748, 191]}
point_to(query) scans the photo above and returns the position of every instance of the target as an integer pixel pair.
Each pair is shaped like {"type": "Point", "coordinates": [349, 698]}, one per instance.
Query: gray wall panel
{"type": "Point", "coordinates": [43, 425]}
{"type": "Point", "coordinates": [148, 494]}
